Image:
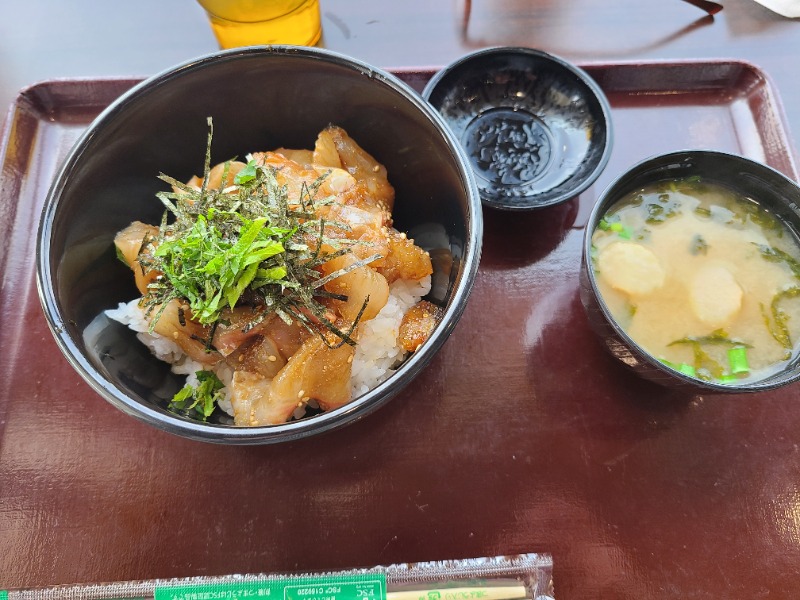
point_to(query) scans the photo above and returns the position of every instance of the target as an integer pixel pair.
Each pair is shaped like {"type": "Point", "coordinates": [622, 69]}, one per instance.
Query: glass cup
{"type": "Point", "coordinates": [253, 22]}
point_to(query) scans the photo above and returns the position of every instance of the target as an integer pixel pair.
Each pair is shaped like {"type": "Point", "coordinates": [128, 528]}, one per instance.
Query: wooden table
{"type": "Point", "coordinates": [548, 446]}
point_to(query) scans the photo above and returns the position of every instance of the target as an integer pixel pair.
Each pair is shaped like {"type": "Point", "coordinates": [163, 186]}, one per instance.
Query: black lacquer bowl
{"type": "Point", "coordinates": [259, 98]}
{"type": "Point", "coordinates": [536, 128]}
{"type": "Point", "coordinates": [773, 190]}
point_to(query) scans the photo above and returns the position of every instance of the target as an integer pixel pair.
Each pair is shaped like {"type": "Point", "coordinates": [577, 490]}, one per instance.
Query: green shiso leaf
{"type": "Point", "coordinates": [201, 399]}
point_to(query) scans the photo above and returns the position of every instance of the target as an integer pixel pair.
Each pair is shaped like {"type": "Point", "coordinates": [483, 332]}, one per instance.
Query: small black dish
{"type": "Point", "coordinates": [773, 190]}
{"type": "Point", "coordinates": [536, 128]}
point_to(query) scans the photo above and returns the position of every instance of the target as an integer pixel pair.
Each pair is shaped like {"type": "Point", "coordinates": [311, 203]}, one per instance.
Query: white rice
{"type": "Point", "coordinates": [377, 351]}
{"type": "Point", "coordinates": [376, 357]}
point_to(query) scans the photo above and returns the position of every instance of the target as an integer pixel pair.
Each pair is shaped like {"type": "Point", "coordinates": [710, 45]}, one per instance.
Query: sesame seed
{"type": "Point", "coordinates": [272, 358]}
{"type": "Point", "coordinates": [301, 393]}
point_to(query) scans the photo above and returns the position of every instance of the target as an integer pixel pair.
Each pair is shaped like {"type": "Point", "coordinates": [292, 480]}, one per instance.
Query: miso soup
{"type": "Point", "coordinates": [703, 279]}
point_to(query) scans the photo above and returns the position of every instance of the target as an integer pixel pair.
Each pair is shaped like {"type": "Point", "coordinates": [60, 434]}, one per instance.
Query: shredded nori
{"type": "Point", "coordinates": [247, 244]}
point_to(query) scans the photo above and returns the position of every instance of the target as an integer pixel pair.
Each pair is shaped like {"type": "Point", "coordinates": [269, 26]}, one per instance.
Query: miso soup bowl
{"type": "Point", "coordinates": [260, 98]}
{"type": "Point", "coordinates": [770, 188]}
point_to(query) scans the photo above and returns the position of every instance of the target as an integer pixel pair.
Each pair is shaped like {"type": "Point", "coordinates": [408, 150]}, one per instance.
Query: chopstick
{"type": "Point", "coordinates": [711, 8]}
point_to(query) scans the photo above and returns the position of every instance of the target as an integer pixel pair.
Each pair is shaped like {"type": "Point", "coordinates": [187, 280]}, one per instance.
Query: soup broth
{"type": "Point", "coordinates": [704, 279]}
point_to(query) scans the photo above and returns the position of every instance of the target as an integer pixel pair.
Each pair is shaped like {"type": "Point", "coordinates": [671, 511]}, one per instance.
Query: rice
{"type": "Point", "coordinates": [377, 354]}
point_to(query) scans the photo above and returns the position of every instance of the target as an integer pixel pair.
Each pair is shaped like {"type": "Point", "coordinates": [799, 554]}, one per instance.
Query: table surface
{"type": "Point", "coordinates": [637, 492]}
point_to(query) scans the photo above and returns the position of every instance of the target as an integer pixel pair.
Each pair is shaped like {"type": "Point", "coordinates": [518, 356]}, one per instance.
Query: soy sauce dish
{"type": "Point", "coordinates": [536, 128]}
{"type": "Point", "coordinates": [691, 272]}
{"type": "Point", "coordinates": [257, 99]}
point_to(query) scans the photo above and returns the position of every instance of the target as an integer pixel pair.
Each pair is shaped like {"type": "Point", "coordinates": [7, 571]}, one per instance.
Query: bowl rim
{"type": "Point", "coordinates": [601, 205]}
{"type": "Point", "coordinates": [583, 77]}
{"type": "Point", "coordinates": [231, 434]}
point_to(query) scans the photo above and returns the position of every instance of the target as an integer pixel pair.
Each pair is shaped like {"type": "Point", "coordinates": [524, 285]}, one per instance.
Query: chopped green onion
{"type": "Point", "coordinates": [737, 356]}
{"type": "Point", "coordinates": [684, 368]}
{"type": "Point", "coordinates": [687, 369]}
{"type": "Point", "coordinates": [621, 230]}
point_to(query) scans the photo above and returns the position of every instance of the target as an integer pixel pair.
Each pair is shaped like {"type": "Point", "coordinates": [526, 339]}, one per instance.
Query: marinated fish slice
{"type": "Point", "coordinates": [259, 354]}
{"type": "Point", "coordinates": [254, 403]}
{"type": "Point", "coordinates": [237, 326]}
{"type": "Point", "coordinates": [358, 285]}
{"type": "Point", "coordinates": [303, 157]}
{"type": "Point", "coordinates": [129, 243]}
{"type": "Point", "coordinates": [295, 175]}
{"type": "Point", "coordinates": [315, 371]}
{"type": "Point", "coordinates": [334, 148]}
{"type": "Point", "coordinates": [215, 181]}
{"type": "Point", "coordinates": [175, 324]}
{"type": "Point", "coordinates": [417, 325]}
{"type": "Point", "coordinates": [404, 260]}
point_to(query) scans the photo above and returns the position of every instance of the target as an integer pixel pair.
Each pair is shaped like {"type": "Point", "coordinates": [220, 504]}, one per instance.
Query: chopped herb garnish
{"type": "Point", "coordinates": [211, 269]}
{"type": "Point", "coordinates": [201, 399]}
{"type": "Point", "coordinates": [246, 244]}
{"type": "Point", "coordinates": [246, 175]}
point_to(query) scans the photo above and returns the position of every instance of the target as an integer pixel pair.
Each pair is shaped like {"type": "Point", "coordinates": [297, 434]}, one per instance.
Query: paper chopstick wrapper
{"type": "Point", "coordinates": [505, 592]}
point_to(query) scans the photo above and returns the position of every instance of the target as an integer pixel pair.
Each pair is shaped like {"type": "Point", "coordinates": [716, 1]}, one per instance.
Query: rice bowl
{"type": "Point", "coordinates": [106, 182]}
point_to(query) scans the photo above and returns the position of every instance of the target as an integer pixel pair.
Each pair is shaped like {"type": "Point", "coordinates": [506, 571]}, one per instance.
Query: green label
{"type": "Point", "coordinates": [3, 595]}
{"type": "Point", "coordinates": [355, 587]}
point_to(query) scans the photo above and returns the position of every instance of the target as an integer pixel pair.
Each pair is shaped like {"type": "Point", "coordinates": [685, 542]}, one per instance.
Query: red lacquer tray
{"type": "Point", "coordinates": [523, 434]}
